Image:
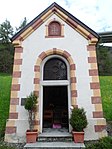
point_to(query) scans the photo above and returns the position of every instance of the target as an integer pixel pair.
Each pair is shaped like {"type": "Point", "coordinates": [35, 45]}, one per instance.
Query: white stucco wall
{"type": "Point", "coordinates": [75, 44]}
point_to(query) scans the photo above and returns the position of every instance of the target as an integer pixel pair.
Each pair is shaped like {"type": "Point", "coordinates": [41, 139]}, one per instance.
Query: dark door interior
{"type": "Point", "coordinates": [55, 107]}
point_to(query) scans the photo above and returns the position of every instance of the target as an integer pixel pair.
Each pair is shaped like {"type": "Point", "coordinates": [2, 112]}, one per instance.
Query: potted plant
{"type": "Point", "coordinates": [30, 105]}
{"type": "Point", "coordinates": [78, 122]}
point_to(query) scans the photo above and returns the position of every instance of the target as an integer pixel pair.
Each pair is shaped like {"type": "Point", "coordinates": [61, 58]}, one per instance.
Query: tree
{"type": "Point", "coordinates": [104, 57]}
{"type": "Point", "coordinates": [22, 25]}
{"type": "Point", "coordinates": [6, 32]}
{"type": "Point", "coordinates": [6, 61]}
{"type": "Point", "coordinates": [6, 47]}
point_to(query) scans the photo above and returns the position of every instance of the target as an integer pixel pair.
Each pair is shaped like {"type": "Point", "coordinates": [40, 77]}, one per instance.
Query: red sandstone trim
{"type": "Point", "coordinates": [74, 93]}
{"type": "Point", "coordinates": [98, 114]}
{"type": "Point", "coordinates": [54, 36]}
{"type": "Point", "coordinates": [91, 48]}
{"type": "Point", "coordinates": [37, 24]}
{"type": "Point", "coordinates": [42, 55]}
{"type": "Point", "coordinates": [20, 38]}
{"type": "Point", "coordinates": [92, 60]}
{"type": "Point", "coordinates": [18, 50]}
{"type": "Point", "coordinates": [90, 36]}
{"type": "Point", "coordinates": [13, 115]}
{"type": "Point", "coordinates": [36, 80]}
{"type": "Point", "coordinates": [93, 72]}
{"type": "Point", "coordinates": [16, 74]}
{"type": "Point", "coordinates": [72, 67]}
{"type": "Point", "coordinates": [96, 100]}
{"type": "Point", "coordinates": [66, 54]}
{"type": "Point", "coordinates": [18, 62]}
{"type": "Point", "coordinates": [37, 68]}
{"type": "Point", "coordinates": [14, 101]}
{"type": "Point", "coordinates": [95, 85]}
{"type": "Point", "coordinates": [99, 128]}
{"type": "Point", "coordinates": [10, 130]}
{"type": "Point", "coordinates": [15, 87]}
{"type": "Point", "coordinates": [71, 22]}
{"type": "Point", "coordinates": [73, 79]}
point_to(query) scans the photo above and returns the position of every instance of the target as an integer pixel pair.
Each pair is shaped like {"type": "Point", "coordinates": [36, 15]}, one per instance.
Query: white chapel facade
{"type": "Point", "coordinates": [55, 56]}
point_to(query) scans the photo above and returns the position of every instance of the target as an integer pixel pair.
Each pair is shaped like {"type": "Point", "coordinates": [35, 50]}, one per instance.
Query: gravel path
{"type": "Point", "coordinates": [13, 145]}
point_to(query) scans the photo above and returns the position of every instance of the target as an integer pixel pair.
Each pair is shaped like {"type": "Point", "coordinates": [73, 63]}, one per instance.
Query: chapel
{"type": "Point", "coordinates": [55, 57]}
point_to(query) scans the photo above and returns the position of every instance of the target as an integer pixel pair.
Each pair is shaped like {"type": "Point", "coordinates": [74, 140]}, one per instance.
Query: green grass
{"type": "Point", "coordinates": [5, 85]}
{"type": "Point", "coordinates": [106, 93]}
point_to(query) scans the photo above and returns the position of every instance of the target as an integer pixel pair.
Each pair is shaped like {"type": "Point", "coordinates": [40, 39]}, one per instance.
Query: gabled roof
{"type": "Point", "coordinates": [63, 14]}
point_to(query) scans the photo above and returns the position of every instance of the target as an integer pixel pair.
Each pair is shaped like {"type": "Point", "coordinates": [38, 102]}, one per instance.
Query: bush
{"type": "Point", "coordinates": [78, 119]}
{"type": "Point", "coordinates": [30, 105]}
{"type": "Point", "coordinates": [104, 143]}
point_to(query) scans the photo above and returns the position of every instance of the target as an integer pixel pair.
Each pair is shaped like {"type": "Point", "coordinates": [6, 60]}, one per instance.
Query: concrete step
{"type": "Point", "coordinates": [55, 139]}
{"type": "Point", "coordinates": [54, 145]}
{"type": "Point", "coordinates": [55, 136]}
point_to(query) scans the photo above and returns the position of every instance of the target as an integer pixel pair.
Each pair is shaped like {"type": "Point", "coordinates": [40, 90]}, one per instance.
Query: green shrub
{"type": "Point", "coordinates": [104, 143]}
{"type": "Point", "coordinates": [78, 119]}
{"type": "Point", "coordinates": [30, 105]}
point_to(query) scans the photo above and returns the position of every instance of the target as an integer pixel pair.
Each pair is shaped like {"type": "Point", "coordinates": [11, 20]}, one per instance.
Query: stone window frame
{"type": "Point", "coordinates": [60, 28]}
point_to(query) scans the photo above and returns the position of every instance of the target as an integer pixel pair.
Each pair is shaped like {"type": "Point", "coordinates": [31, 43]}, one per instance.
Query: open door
{"type": "Point", "coordinates": [55, 107]}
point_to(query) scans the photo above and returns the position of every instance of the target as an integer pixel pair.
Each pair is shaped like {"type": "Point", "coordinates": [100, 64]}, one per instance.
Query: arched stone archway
{"type": "Point", "coordinates": [37, 83]}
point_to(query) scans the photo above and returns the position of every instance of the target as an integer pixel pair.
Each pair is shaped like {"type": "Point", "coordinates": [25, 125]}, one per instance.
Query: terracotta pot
{"type": "Point", "coordinates": [31, 136]}
{"type": "Point", "coordinates": [78, 137]}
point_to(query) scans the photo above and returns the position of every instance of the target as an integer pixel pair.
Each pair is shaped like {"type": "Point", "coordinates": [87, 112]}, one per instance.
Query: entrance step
{"type": "Point", "coordinates": [54, 145]}
{"type": "Point", "coordinates": [55, 139]}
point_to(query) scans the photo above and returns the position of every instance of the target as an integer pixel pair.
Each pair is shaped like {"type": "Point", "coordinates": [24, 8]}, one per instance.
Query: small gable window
{"type": "Point", "coordinates": [54, 29]}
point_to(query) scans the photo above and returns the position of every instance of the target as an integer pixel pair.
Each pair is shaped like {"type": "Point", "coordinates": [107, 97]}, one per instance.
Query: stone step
{"type": "Point", "coordinates": [55, 136]}
{"type": "Point", "coordinates": [55, 139]}
{"type": "Point", "coordinates": [54, 145]}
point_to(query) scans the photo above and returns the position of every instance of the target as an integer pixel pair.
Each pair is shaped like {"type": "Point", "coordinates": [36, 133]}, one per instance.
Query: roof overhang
{"type": "Point", "coordinates": [54, 8]}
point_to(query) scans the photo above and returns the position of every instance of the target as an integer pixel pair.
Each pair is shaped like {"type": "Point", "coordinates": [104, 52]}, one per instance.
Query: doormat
{"type": "Point", "coordinates": [56, 125]}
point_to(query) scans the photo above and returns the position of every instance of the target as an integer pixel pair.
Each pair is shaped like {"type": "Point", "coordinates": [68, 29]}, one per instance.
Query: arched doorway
{"type": "Point", "coordinates": [55, 92]}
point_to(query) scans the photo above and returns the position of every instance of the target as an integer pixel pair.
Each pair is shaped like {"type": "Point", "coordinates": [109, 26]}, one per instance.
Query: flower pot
{"type": "Point", "coordinates": [31, 136]}
{"type": "Point", "coordinates": [78, 137]}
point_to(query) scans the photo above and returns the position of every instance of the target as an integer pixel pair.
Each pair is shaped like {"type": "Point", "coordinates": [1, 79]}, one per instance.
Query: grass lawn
{"type": "Point", "coordinates": [106, 92]}
{"type": "Point", "coordinates": [5, 85]}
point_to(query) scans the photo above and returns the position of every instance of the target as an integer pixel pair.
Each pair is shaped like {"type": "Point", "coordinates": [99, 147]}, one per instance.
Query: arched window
{"type": "Point", "coordinates": [54, 29]}
{"type": "Point", "coordinates": [55, 69]}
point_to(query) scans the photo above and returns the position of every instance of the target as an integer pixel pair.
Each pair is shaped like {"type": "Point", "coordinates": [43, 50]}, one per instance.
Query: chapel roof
{"type": "Point", "coordinates": [62, 13]}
